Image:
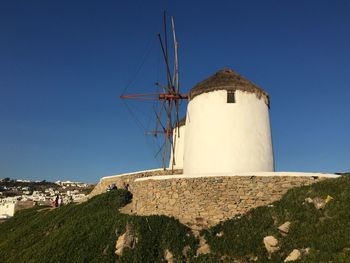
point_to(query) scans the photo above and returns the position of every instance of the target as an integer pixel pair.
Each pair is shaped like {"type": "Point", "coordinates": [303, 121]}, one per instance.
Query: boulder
{"type": "Point", "coordinates": [168, 256]}
{"type": "Point", "coordinates": [120, 245]}
{"type": "Point", "coordinates": [319, 203]}
{"type": "Point", "coordinates": [220, 234]}
{"type": "Point", "coordinates": [185, 250]}
{"type": "Point", "coordinates": [125, 240]}
{"type": "Point", "coordinates": [105, 251]}
{"type": "Point", "coordinates": [284, 228]}
{"type": "Point", "coordinates": [305, 251]}
{"type": "Point", "coordinates": [252, 258]}
{"type": "Point", "coordinates": [203, 246]}
{"type": "Point", "coordinates": [309, 200]}
{"type": "Point", "coordinates": [294, 255]}
{"type": "Point", "coordinates": [271, 244]}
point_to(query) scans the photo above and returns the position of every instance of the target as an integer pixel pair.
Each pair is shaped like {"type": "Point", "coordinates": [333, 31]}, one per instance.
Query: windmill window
{"type": "Point", "coordinates": [231, 97]}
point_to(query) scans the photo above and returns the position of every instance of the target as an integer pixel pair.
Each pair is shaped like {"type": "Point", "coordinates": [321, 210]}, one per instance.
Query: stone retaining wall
{"type": "Point", "coordinates": [128, 178]}
{"type": "Point", "coordinates": [205, 201]}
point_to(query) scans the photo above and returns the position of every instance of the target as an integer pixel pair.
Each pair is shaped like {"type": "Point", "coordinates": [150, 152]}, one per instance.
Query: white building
{"type": "Point", "coordinates": [23, 181]}
{"type": "Point", "coordinates": [227, 127]}
{"type": "Point", "coordinates": [7, 209]}
{"type": "Point", "coordinates": [179, 143]}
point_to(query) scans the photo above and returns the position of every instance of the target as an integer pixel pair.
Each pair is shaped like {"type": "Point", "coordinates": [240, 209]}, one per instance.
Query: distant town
{"type": "Point", "coordinates": [17, 194]}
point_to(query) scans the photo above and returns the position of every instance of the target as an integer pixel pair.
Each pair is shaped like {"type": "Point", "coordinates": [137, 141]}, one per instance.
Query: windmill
{"type": "Point", "coordinates": [169, 97]}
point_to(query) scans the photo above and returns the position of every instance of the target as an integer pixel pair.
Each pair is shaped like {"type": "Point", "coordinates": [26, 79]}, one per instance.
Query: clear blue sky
{"type": "Point", "coordinates": [63, 65]}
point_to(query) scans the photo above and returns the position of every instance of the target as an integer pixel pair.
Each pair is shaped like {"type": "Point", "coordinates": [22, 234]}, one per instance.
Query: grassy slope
{"type": "Point", "coordinates": [326, 232]}
{"type": "Point", "coordinates": [87, 232]}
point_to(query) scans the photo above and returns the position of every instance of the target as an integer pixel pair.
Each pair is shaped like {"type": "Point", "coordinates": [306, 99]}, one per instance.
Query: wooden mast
{"type": "Point", "coordinates": [170, 98]}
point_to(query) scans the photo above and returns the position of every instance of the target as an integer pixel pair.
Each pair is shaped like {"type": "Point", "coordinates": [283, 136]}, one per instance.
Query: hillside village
{"type": "Point", "coordinates": [17, 194]}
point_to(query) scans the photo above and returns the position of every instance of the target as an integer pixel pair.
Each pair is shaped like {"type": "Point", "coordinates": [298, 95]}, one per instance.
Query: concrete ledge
{"type": "Point", "coordinates": [131, 173]}
{"type": "Point", "coordinates": [263, 174]}
{"type": "Point", "coordinates": [128, 178]}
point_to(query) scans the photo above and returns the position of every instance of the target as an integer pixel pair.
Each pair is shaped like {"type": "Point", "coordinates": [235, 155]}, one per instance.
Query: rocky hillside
{"type": "Point", "coordinates": [309, 224]}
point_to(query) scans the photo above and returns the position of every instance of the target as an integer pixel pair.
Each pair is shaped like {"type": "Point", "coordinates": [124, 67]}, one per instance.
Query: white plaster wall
{"type": "Point", "coordinates": [226, 137]}
{"type": "Point", "coordinates": [127, 174]}
{"type": "Point", "coordinates": [7, 209]}
{"type": "Point", "coordinates": [179, 148]}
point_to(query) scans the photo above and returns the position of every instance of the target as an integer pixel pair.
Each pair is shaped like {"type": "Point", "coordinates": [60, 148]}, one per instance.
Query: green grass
{"type": "Point", "coordinates": [88, 232]}
{"type": "Point", "coordinates": [326, 232]}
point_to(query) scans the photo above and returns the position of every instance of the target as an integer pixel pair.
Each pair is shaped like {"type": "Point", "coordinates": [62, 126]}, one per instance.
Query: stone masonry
{"type": "Point", "coordinates": [128, 178]}
{"type": "Point", "coordinates": [205, 201]}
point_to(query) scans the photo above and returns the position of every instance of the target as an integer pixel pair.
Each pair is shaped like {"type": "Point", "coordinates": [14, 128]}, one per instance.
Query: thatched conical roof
{"type": "Point", "coordinates": [227, 79]}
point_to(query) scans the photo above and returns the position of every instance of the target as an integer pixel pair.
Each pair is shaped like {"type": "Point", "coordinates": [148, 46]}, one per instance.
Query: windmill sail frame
{"type": "Point", "coordinates": [170, 99]}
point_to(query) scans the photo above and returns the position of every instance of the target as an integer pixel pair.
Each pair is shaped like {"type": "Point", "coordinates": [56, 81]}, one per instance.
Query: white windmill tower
{"type": "Point", "coordinates": [177, 156]}
{"type": "Point", "coordinates": [227, 127]}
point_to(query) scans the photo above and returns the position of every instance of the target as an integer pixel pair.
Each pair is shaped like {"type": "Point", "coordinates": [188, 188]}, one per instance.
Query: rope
{"type": "Point", "coordinates": [149, 48]}
{"type": "Point", "coordinates": [144, 57]}
{"type": "Point", "coordinates": [142, 129]}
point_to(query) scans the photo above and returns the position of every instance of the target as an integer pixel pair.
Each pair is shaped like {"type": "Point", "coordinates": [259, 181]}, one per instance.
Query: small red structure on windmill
{"type": "Point", "coordinates": [170, 98]}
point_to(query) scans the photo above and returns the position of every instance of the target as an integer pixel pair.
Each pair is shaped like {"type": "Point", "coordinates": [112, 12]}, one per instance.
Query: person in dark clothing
{"type": "Point", "coordinates": [56, 200]}
{"type": "Point", "coordinates": [126, 186]}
